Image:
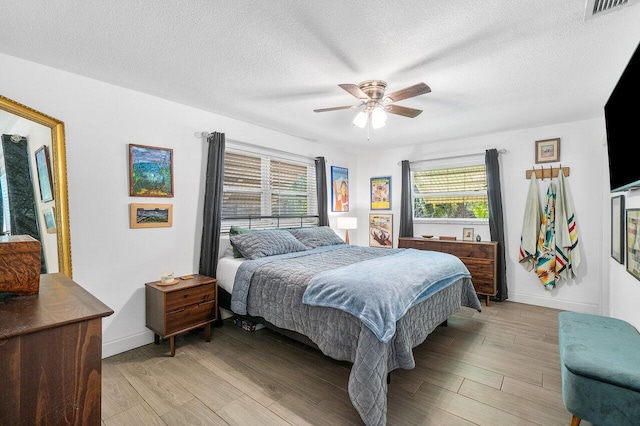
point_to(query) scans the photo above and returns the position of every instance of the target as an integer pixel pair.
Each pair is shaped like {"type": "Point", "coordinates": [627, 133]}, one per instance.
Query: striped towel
{"type": "Point", "coordinates": [567, 252]}
{"type": "Point", "coordinates": [530, 227]}
{"type": "Point", "coordinates": [545, 253]}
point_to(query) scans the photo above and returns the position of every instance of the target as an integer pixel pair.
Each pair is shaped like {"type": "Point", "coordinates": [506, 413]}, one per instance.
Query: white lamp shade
{"type": "Point", "coordinates": [360, 120]}
{"type": "Point", "coordinates": [378, 118]}
{"type": "Point", "coordinates": [347, 222]}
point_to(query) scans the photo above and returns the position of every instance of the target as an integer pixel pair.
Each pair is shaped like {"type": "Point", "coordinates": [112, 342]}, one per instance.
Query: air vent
{"type": "Point", "coordinates": [600, 7]}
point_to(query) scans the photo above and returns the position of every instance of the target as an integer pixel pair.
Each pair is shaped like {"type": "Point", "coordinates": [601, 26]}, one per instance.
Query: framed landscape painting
{"type": "Point", "coordinates": [150, 215]}
{"type": "Point", "coordinates": [49, 220]}
{"type": "Point", "coordinates": [150, 171]}
{"type": "Point", "coordinates": [44, 174]}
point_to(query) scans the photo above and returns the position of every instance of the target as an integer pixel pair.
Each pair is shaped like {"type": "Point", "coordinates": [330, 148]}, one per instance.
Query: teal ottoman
{"type": "Point", "coordinates": [600, 363]}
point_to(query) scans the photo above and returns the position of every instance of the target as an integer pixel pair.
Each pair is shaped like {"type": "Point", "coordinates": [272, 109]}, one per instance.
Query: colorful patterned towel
{"type": "Point", "coordinates": [545, 253]}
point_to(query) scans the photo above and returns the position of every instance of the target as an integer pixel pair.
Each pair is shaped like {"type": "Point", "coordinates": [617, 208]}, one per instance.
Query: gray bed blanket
{"type": "Point", "coordinates": [273, 288]}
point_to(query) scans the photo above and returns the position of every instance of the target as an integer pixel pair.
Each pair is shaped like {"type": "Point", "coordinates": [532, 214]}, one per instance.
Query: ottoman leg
{"type": "Point", "coordinates": [575, 421]}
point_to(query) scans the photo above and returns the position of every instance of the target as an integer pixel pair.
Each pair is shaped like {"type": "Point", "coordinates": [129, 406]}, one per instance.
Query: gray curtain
{"type": "Point", "coordinates": [406, 212]}
{"type": "Point", "coordinates": [496, 221]}
{"type": "Point", "coordinates": [212, 215]}
{"type": "Point", "coordinates": [321, 182]}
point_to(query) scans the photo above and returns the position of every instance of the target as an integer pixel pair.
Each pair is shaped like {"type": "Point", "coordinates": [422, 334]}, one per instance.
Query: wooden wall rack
{"type": "Point", "coordinates": [549, 173]}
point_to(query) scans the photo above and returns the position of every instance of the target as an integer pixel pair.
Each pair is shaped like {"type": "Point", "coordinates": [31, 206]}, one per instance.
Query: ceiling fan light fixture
{"type": "Point", "coordinates": [378, 117]}
{"type": "Point", "coordinates": [360, 119]}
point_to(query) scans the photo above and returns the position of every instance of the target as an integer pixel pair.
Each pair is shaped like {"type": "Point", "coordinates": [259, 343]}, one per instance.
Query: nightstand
{"type": "Point", "coordinates": [174, 309]}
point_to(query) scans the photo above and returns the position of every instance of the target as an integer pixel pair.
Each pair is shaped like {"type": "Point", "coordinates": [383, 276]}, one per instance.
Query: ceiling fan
{"type": "Point", "coordinates": [376, 104]}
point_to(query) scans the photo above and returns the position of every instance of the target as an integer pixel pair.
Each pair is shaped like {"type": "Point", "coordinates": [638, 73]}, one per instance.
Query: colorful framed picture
{"type": "Point", "coordinates": [339, 189]}
{"type": "Point", "coordinates": [49, 220]}
{"type": "Point", "coordinates": [548, 151]}
{"type": "Point", "coordinates": [467, 234]}
{"type": "Point", "coordinates": [44, 173]}
{"type": "Point", "coordinates": [381, 193]}
{"type": "Point", "coordinates": [633, 242]}
{"type": "Point", "coordinates": [150, 215]}
{"type": "Point", "coordinates": [381, 230]}
{"type": "Point", "coordinates": [617, 228]}
{"type": "Point", "coordinates": [150, 171]}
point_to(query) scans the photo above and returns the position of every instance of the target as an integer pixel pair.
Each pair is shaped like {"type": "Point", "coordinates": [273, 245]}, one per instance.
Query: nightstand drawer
{"type": "Point", "coordinates": [190, 315]}
{"type": "Point", "coordinates": [176, 300]}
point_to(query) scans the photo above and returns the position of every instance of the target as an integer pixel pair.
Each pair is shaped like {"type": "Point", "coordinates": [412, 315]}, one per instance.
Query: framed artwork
{"type": "Point", "coordinates": [150, 215]}
{"type": "Point", "coordinates": [380, 230]}
{"type": "Point", "coordinates": [49, 220]}
{"type": "Point", "coordinates": [150, 171]}
{"type": "Point", "coordinates": [339, 189]}
{"type": "Point", "coordinates": [44, 173]}
{"type": "Point", "coordinates": [633, 243]}
{"type": "Point", "coordinates": [381, 193]}
{"type": "Point", "coordinates": [548, 150]}
{"type": "Point", "coordinates": [617, 228]}
{"type": "Point", "coordinates": [467, 234]}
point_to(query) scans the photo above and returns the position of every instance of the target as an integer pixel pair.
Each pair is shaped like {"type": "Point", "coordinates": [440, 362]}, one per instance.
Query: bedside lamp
{"type": "Point", "coordinates": [347, 223]}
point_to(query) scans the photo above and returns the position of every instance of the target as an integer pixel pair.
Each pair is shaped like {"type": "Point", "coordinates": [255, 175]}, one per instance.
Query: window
{"type": "Point", "coordinates": [457, 193]}
{"type": "Point", "coordinates": [258, 185]}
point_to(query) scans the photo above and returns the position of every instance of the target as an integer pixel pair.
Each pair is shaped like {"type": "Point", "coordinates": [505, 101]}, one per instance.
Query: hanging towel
{"type": "Point", "coordinates": [545, 253]}
{"type": "Point", "coordinates": [530, 227]}
{"type": "Point", "coordinates": [567, 252]}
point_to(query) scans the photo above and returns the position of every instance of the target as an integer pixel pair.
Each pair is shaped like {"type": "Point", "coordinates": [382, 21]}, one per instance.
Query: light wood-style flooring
{"type": "Point", "coordinates": [497, 367]}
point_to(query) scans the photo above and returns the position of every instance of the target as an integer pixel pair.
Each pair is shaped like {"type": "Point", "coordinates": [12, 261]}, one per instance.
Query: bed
{"type": "Point", "coordinates": [365, 305]}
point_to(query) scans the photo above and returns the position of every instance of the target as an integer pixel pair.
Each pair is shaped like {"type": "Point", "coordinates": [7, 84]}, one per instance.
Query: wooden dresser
{"type": "Point", "coordinates": [51, 355]}
{"type": "Point", "coordinates": [480, 258]}
{"type": "Point", "coordinates": [174, 309]}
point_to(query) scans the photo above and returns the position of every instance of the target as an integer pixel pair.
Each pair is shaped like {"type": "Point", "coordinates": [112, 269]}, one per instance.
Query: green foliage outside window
{"type": "Point", "coordinates": [451, 193]}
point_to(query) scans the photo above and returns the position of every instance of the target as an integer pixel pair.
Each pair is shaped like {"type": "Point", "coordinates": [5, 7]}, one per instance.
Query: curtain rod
{"type": "Point", "coordinates": [205, 135]}
{"type": "Point", "coordinates": [477, 154]}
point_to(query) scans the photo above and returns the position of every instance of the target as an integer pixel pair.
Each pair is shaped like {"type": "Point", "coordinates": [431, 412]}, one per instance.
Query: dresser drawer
{"type": "Point", "coordinates": [475, 251]}
{"type": "Point", "coordinates": [177, 300]}
{"type": "Point", "coordinates": [190, 315]}
{"type": "Point", "coordinates": [482, 274]}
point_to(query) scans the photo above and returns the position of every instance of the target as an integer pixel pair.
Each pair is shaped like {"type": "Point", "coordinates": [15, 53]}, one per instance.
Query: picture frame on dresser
{"type": "Point", "coordinates": [467, 234]}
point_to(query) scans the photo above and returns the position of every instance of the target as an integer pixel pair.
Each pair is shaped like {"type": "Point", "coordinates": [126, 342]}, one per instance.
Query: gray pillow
{"type": "Point", "coordinates": [319, 236]}
{"type": "Point", "coordinates": [235, 230]}
{"type": "Point", "coordinates": [269, 242]}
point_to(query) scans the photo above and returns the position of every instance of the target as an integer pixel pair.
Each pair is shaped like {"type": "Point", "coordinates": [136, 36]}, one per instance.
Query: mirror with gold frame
{"type": "Point", "coordinates": [58, 176]}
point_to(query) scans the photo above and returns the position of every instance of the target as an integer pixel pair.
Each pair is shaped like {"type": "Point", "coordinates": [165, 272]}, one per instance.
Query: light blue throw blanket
{"type": "Point", "coordinates": [380, 291]}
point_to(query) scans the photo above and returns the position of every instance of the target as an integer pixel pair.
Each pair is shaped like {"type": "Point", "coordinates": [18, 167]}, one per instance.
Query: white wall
{"type": "Point", "coordinates": [109, 259]}
{"type": "Point", "coordinates": [113, 262]}
{"type": "Point", "coordinates": [581, 150]}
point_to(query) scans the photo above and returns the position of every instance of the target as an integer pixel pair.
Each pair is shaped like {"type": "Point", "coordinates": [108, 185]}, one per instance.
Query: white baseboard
{"type": "Point", "coordinates": [565, 305]}
{"type": "Point", "coordinates": [127, 343]}
{"type": "Point", "coordinates": [135, 341]}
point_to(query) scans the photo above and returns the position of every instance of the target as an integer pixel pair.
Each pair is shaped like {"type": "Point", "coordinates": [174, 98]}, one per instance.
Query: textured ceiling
{"type": "Point", "coordinates": [492, 65]}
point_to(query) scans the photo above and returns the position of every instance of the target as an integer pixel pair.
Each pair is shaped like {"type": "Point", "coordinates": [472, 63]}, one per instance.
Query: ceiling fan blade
{"type": "Point", "coordinates": [400, 110]}
{"type": "Point", "coordinates": [408, 92]}
{"type": "Point", "coordinates": [355, 91]}
{"type": "Point", "coordinates": [336, 108]}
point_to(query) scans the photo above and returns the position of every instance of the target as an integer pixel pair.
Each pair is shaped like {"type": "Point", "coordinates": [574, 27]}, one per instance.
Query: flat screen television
{"type": "Point", "coordinates": [622, 117]}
